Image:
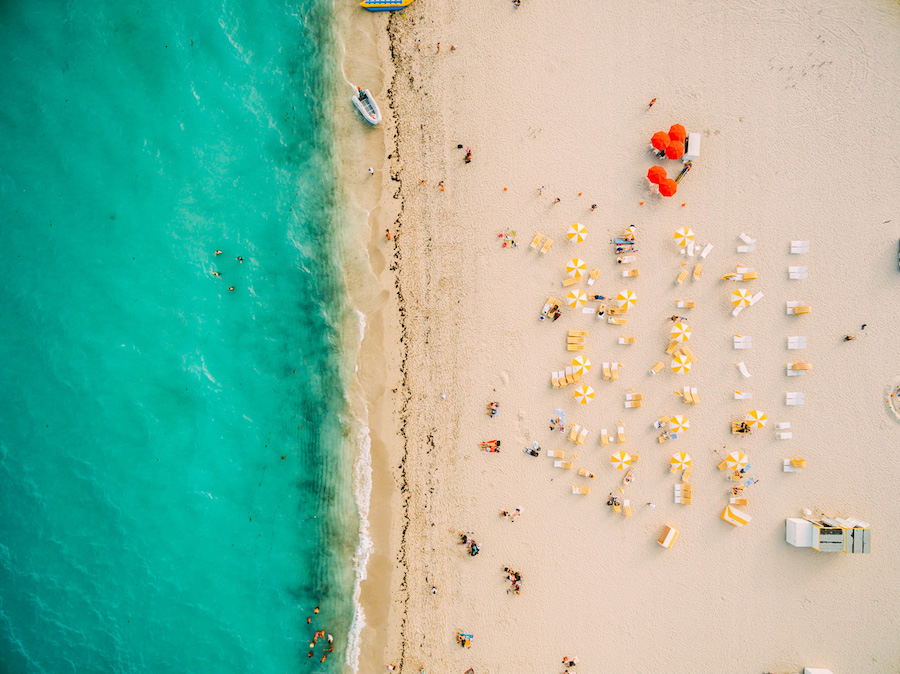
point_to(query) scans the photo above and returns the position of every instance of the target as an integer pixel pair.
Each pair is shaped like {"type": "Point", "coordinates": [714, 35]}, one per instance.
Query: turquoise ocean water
{"type": "Point", "coordinates": [174, 474]}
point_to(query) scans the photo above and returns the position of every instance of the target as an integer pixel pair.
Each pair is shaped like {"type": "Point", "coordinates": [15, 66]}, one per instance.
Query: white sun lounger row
{"type": "Point", "coordinates": [794, 398]}
{"type": "Point", "coordinates": [742, 342]}
{"type": "Point", "coordinates": [799, 247]}
{"type": "Point", "coordinates": [797, 273]}
{"type": "Point", "coordinates": [783, 430]}
{"type": "Point", "coordinates": [796, 342]}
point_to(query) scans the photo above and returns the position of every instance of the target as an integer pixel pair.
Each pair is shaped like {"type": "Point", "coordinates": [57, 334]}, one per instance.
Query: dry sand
{"type": "Point", "coordinates": [797, 109]}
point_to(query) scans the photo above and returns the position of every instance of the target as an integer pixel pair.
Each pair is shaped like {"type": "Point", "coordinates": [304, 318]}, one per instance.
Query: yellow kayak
{"type": "Point", "coordinates": [385, 5]}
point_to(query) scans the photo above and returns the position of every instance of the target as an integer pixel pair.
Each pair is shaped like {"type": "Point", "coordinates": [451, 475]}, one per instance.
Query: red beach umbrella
{"type": "Point", "coordinates": [675, 149]}
{"type": "Point", "coordinates": [677, 132]}
{"type": "Point", "coordinates": [660, 140]}
{"type": "Point", "coordinates": [667, 187]}
{"type": "Point", "coordinates": [655, 174]}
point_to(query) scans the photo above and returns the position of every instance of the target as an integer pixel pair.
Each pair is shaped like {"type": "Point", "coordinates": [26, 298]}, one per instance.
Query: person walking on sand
{"type": "Point", "coordinates": [371, 171]}
{"type": "Point", "coordinates": [556, 201]}
{"type": "Point", "coordinates": [651, 104]}
{"type": "Point", "coordinates": [848, 338]}
{"type": "Point", "coordinates": [387, 234]}
{"type": "Point", "coordinates": [438, 48]}
{"type": "Point", "coordinates": [593, 207]}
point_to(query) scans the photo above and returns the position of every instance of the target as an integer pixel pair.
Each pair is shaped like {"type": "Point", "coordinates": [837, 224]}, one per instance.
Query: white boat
{"type": "Point", "coordinates": [367, 106]}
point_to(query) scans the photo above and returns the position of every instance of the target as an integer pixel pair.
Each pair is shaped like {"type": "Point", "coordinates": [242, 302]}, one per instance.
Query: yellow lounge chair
{"type": "Point", "coordinates": [634, 396]}
{"type": "Point", "coordinates": [656, 368]}
{"type": "Point", "coordinates": [684, 304]}
{"type": "Point", "coordinates": [584, 472]}
{"type": "Point", "coordinates": [801, 366]}
{"type": "Point", "coordinates": [616, 311]}
{"type": "Point", "coordinates": [686, 473]}
{"type": "Point", "coordinates": [565, 465]}
{"type": "Point", "coordinates": [667, 538]}
{"type": "Point", "coordinates": [628, 273]}
{"type": "Point", "coordinates": [617, 508]}
{"type": "Point", "coordinates": [686, 395]}
{"type": "Point", "coordinates": [554, 380]}
{"type": "Point", "coordinates": [547, 244]}
{"type": "Point", "coordinates": [698, 269]}
{"type": "Point", "coordinates": [635, 458]}
{"type": "Point", "coordinates": [801, 309]}
{"type": "Point", "coordinates": [574, 432]}
{"type": "Point", "coordinates": [739, 501]}
{"type": "Point", "coordinates": [798, 463]}
{"type": "Point", "coordinates": [687, 352]}
{"type": "Point", "coordinates": [537, 241]}
{"type": "Point", "coordinates": [581, 436]}
{"type": "Point", "coordinates": [723, 465]}
{"type": "Point", "coordinates": [570, 375]}
{"type": "Point", "coordinates": [748, 276]}
{"type": "Point", "coordinates": [626, 340]}
{"type": "Point", "coordinates": [569, 281]}
{"type": "Point", "coordinates": [607, 375]}
{"type": "Point", "coordinates": [615, 320]}
{"type": "Point", "coordinates": [604, 437]}
{"type": "Point", "coordinates": [682, 276]}
{"type": "Point", "coordinates": [614, 367]}
{"type": "Point", "coordinates": [633, 403]}
{"type": "Point", "coordinates": [580, 490]}
{"type": "Point", "coordinates": [556, 453]}
{"type": "Point", "coordinates": [695, 399]}
{"type": "Point", "coordinates": [620, 432]}
{"type": "Point", "coordinates": [595, 273]}
{"type": "Point", "coordinates": [671, 348]}
{"type": "Point", "coordinates": [577, 333]}
{"type": "Point", "coordinates": [575, 347]}
{"type": "Point", "coordinates": [626, 508]}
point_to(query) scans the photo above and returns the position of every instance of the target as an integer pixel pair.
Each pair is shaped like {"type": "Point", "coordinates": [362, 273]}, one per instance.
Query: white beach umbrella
{"type": "Point", "coordinates": [681, 332]}
{"type": "Point", "coordinates": [584, 394]}
{"type": "Point", "coordinates": [576, 299]}
{"type": "Point", "coordinates": [576, 232]}
{"type": "Point", "coordinates": [576, 268]}
{"type": "Point", "coordinates": [626, 299]}
{"type": "Point", "coordinates": [683, 236]}
{"type": "Point", "coordinates": [681, 364]}
{"type": "Point", "coordinates": [582, 364]}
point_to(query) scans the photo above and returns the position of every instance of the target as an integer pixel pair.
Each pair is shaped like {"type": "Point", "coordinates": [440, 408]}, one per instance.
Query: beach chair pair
{"type": "Point", "coordinates": [739, 395]}
{"type": "Point", "coordinates": [549, 304]}
{"type": "Point", "coordinates": [595, 273]}
{"type": "Point", "coordinates": [799, 247]}
{"type": "Point", "coordinates": [630, 273]}
{"type": "Point", "coordinates": [689, 395]}
{"type": "Point", "coordinates": [795, 369]}
{"type": "Point", "coordinates": [634, 400]}
{"type": "Point", "coordinates": [685, 304]}
{"type": "Point", "coordinates": [743, 342]}
{"type": "Point", "coordinates": [743, 368]}
{"type": "Point", "coordinates": [740, 427]}
{"type": "Point", "coordinates": [797, 273]}
{"type": "Point", "coordinates": [735, 517]}
{"type": "Point", "coordinates": [698, 269]}
{"type": "Point", "coordinates": [796, 342]}
{"type": "Point", "coordinates": [565, 465]}
{"type": "Point", "coordinates": [668, 536]}
{"type": "Point", "coordinates": [797, 308]}
{"type": "Point", "coordinates": [683, 494]}
{"type": "Point", "coordinates": [536, 242]}
{"type": "Point", "coordinates": [783, 431]}
{"type": "Point", "coordinates": [682, 276]}
{"type": "Point", "coordinates": [610, 371]}
{"type": "Point", "coordinates": [794, 465]}
{"type": "Point", "coordinates": [750, 244]}
{"type": "Point", "coordinates": [581, 490]}
{"type": "Point", "coordinates": [795, 398]}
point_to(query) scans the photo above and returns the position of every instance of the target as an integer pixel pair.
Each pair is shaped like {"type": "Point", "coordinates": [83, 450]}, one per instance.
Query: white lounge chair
{"type": "Point", "coordinates": [746, 239]}
{"type": "Point", "coordinates": [738, 309]}
{"type": "Point", "coordinates": [784, 435]}
{"type": "Point", "coordinates": [783, 425]}
{"type": "Point", "coordinates": [795, 398]}
{"type": "Point", "coordinates": [756, 298]}
{"type": "Point", "coordinates": [743, 368]}
{"type": "Point", "coordinates": [796, 342]}
{"type": "Point", "coordinates": [706, 250]}
{"type": "Point", "coordinates": [626, 259]}
{"type": "Point", "coordinates": [788, 468]}
{"type": "Point", "coordinates": [799, 247]}
{"type": "Point", "coordinates": [797, 273]}
{"type": "Point", "coordinates": [742, 396]}
{"type": "Point", "coordinates": [689, 249]}
{"type": "Point", "coordinates": [742, 342]}
{"type": "Point", "coordinates": [746, 249]}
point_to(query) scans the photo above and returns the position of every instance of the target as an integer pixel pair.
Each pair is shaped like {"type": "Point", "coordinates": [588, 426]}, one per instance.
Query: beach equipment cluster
{"type": "Point", "coordinates": [674, 144]}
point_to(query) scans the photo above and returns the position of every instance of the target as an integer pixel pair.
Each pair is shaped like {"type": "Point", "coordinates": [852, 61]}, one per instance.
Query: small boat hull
{"type": "Point", "coordinates": [385, 5]}
{"type": "Point", "coordinates": [368, 108]}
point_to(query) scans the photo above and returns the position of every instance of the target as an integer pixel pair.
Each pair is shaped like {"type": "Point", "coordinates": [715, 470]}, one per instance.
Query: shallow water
{"type": "Point", "coordinates": [173, 461]}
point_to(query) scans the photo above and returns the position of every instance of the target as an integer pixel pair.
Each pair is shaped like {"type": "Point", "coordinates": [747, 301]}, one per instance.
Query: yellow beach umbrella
{"type": "Point", "coordinates": [683, 236]}
{"type": "Point", "coordinates": [626, 299]}
{"type": "Point", "coordinates": [680, 461]}
{"type": "Point", "coordinates": [681, 364]}
{"type": "Point", "coordinates": [582, 364]}
{"type": "Point", "coordinates": [621, 460]}
{"type": "Point", "coordinates": [576, 268]}
{"type": "Point", "coordinates": [736, 461]}
{"type": "Point", "coordinates": [576, 299]}
{"type": "Point", "coordinates": [584, 394]}
{"type": "Point", "coordinates": [741, 297]}
{"type": "Point", "coordinates": [679, 423]}
{"type": "Point", "coordinates": [681, 332]}
{"type": "Point", "coordinates": [576, 232]}
{"type": "Point", "coordinates": [756, 419]}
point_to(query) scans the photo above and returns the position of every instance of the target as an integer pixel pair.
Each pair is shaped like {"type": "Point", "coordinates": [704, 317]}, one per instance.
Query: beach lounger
{"type": "Point", "coordinates": [537, 241]}
{"type": "Point", "coordinates": [698, 269]}
{"type": "Point", "coordinates": [696, 398]}
{"type": "Point", "coordinates": [793, 465]}
{"type": "Point", "coordinates": [797, 273]}
{"type": "Point", "coordinates": [593, 277]}
{"type": "Point", "coordinates": [799, 367]}
{"type": "Point", "coordinates": [742, 342]}
{"type": "Point", "coordinates": [574, 347]}
{"type": "Point", "coordinates": [569, 281]}
{"type": "Point", "coordinates": [628, 273]}
{"type": "Point", "coordinates": [580, 490]}
{"type": "Point", "coordinates": [801, 309]}
{"type": "Point", "coordinates": [546, 247]}
{"type": "Point", "coordinates": [626, 508]}
{"type": "Point", "coordinates": [756, 298]}
{"type": "Point", "coordinates": [799, 247]}
{"type": "Point", "coordinates": [684, 304]}
{"type": "Point", "coordinates": [723, 465]}
{"type": "Point", "coordinates": [743, 368]}
{"type": "Point", "coordinates": [656, 368]}
{"type": "Point", "coordinates": [604, 437]}
{"type": "Point", "coordinates": [626, 340]}
{"type": "Point", "coordinates": [707, 249]}
{"type": "Point", "coordinates": [746, 276]}
{"type": "Point", "coordinates": [620, 432]}
{"type": "Point", "coordinates": [617, 508]}
{"type": "Point", "coordinates": [689, 249]}
{"type": "Point", "coordinates": [671, 348]}
{"type": "Point", "coordinates": [795, 398]}
{"type": "Point", "coordinates": [667, 538]}
{"type": "Point", "coordinates": [738, 309]}
{"type": "Point", "coordinates": [796, 342]}
{"type": "Point", "coordinates": [686, 395]}
{"type": "Point", "coordinates": [634, 396]}
{"type": "Point", "coordinates": [581, 436]}
{"type": "Point", "coordinates": [556, 453]}
{"type": "Point", "coordinates": [551, 301]}
{"type": "Point", "coordinates": [746, 249]}
{"type": "Point", "coordinates": [570, 374]}
{"type": "Point", "coordinates": [617, 311]}
{"type": "Point", "coordinates": [737, 500]}
{"type": "Point", "coordinates": [742, 396]}
{"type": "Point", "coordinates": [682, 276]}
{"type": "Point", "coordinates": [746, 239]}
{"type": "Point", "coordinates": [607, 374]}
{"type": "Point", "coordinates": [686, 473]}
{"type": "Point", "coordinates": [554, 379]}
{"type": "Point", "coordinates": [791, 307]}
{"type": "Point", "coordinates": [659, 423]}
{"type": "Point", "coordinates": [690, 354]}
{"type": "Point", "coordinates": [614, 371]}
{"type": "Point", "coordinates": [573, 434]}
{"type": "Point", "coordinates": [578, 333]}
{"type": "Point", "coordinates": [615, 320]}
{"type": "Point", "coordinates": [584, 472]}
{"type": "Point", "coordinates": [562, 379]}
{"type": "Point", "coordinates": [565, 465]}
{"type": "Point", "coordinates": [784, 435]}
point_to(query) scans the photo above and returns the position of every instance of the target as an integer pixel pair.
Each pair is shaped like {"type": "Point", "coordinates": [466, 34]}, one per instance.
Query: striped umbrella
{"type": "Point", "coordinates": [576, 299]}
{"type": "Point", "coordinates": [679, 424]}
{"type": "Point", "coordinates": [681, 364]}
{"type": "Point", "coordinates": [626, 299]}
{"type": "Point", "coordinates": [756, 419]}
{"type": "Point", "coordinates": [576, 232]}
{"type": "Point", "coordinates": [736, 461]}
{"type": "Point", "coordinates": [582, 365]}
{"type": "Point", "coordinates": [575, 268]}
{"type": "Point", "coordinates": [680, 461]}
{"type": "Point", "coordinates": [741, 297]}
{"type": "Point", "coordinates": [681, 332]}
{"type": "Point", "coordinates": [683, 236]}
{"type": "Point", "coordinates": [584, 394]}
{"type": "Point", "coordinates": [621, 460]}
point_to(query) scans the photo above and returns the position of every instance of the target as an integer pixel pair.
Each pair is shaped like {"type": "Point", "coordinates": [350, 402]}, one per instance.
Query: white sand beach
{"type": "Point", "coordinates": [796, 109]}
